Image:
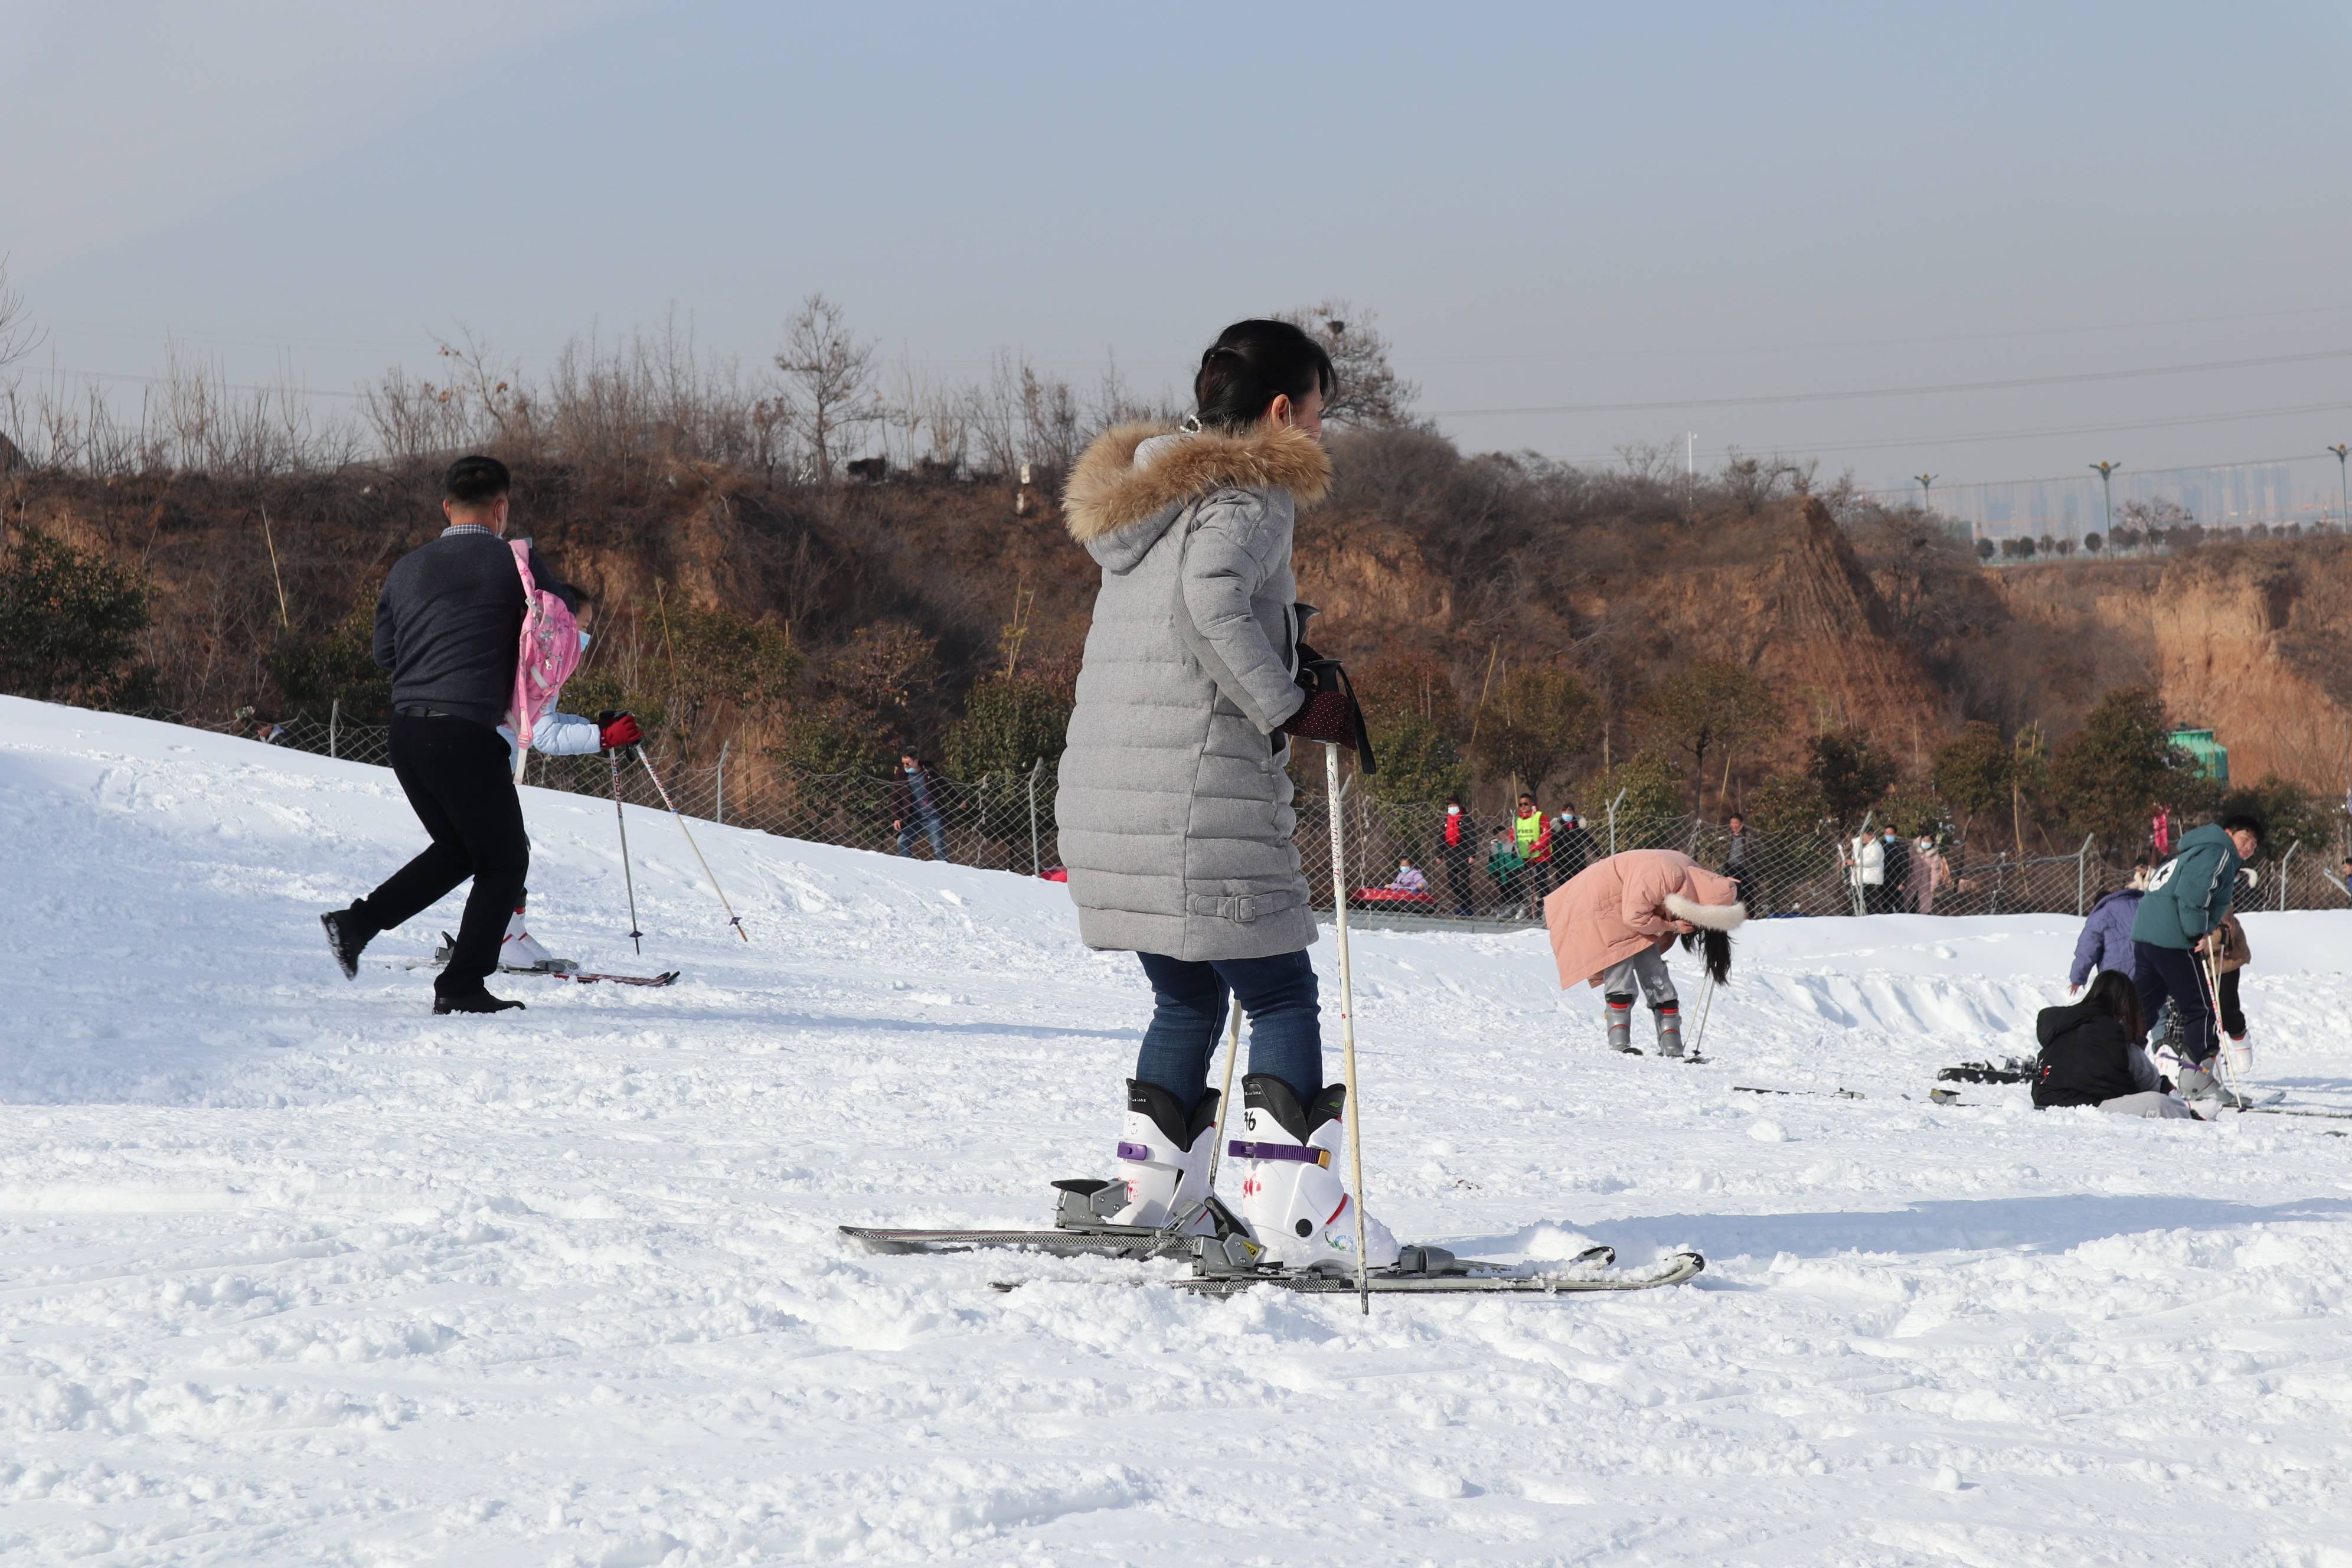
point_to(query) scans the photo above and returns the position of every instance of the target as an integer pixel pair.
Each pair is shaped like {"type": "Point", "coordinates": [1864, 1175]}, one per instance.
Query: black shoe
{"type": "Point", "coordinates": [478, 1000]}
{"type": "Point", "coordinates": [344, 941]}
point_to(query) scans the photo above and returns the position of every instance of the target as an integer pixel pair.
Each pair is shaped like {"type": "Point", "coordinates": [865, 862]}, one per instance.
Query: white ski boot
{"type": "Point", "coordinates": [2194, 1082]}
{"type": "Point", "coordinates": [1163, 1157]}
{"type": "Point", "coordinates": [522, 953]}
{"type": "Point", "coordinates": [1293, 1200]}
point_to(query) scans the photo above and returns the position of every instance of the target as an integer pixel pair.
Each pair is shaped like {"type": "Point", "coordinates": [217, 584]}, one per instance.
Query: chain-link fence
{"type": "Point", "coordinates": [1404, 860]}
{"type": "Point", "coordinates": [1401, 859]}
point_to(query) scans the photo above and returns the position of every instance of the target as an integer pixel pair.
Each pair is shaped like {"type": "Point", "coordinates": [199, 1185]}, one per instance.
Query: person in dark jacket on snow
{"type": "Point", "coordinates": [1457, 846]}
{"type": "Point", "coordinates": [2105, 942]}
{"type": "Point", "coordinates": [2090, 1055]}
{"type": "Point", "coordinates": [2187, 899]}
{"type": "Point", "coordinates": [915, 805]}
{"type": "Point", "coordinates": [448, 624]}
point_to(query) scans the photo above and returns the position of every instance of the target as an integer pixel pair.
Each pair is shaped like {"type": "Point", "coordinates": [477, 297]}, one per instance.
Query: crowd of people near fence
{"type": "Point", "coordinates": [1452, 864]}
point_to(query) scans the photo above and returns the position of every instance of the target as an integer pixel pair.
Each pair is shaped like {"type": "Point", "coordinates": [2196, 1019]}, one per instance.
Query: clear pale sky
{"type": "Point", "coordinates": [1546, 204]}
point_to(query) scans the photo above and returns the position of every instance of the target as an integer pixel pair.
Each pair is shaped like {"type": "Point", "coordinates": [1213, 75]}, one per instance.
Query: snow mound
{"type": "Point", "coordinates": [291, 1271]}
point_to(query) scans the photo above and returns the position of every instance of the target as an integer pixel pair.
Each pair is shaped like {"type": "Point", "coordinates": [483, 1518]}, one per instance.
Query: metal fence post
{"type": "Point", "coordinates": [1037, 860]}
{"type": "Point", "coordinates": [719, 784]}
{"type": "Point", "coordinates": [2285, 865]}
{"type": "Point", "coordinates": [334, 722]}
{"type": "Point", "coordinates": [2081, 869]}
{"type": "Point", "coordinates": [1612, 821]}
{"type": "Point", "coordinates": [979, 814]}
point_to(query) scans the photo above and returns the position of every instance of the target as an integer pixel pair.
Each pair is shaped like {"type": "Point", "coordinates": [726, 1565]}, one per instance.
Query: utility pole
{"type": "Point", "coordinates": [2108, 495]}
{"type": "Point", "coordinates": [2341, 450]}
{"type": "Point", "coordinates": [1927, 499]}
{"type": "Point", "coordinates": [1690, 466]}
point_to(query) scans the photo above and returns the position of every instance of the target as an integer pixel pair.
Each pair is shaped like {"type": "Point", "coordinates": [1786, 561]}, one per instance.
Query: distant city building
{"type": "Point", "coordinates": [2236, 497]}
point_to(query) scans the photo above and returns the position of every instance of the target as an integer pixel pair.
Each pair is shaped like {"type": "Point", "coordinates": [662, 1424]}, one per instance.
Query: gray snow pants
{"type": "Point", "coordinates": [2154, 1104]}
{"type": "Point", "coordinates": [1647, 969]}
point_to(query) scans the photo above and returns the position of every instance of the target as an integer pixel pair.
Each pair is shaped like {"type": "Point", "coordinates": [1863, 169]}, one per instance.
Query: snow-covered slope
{"type": "Point", "coordinates": [292, 1272]}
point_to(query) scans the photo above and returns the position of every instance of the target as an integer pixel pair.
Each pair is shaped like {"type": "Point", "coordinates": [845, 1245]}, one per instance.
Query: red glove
{"type": "Point", "coordinates": [1327, 716]}
{"type": "Point", "coordinates": [619, 729]}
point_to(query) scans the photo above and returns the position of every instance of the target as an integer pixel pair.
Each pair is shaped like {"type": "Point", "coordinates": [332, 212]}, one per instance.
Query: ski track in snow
{"type": "Point", "coordinates": [294, 1273]}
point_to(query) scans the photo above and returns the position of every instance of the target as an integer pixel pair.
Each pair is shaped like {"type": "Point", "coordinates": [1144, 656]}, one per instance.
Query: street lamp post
{"type": "Point", "coordinates": [1926, 502]}
{"type": "Point", "coordinates": [2107, 497]}
{"type": "Point", "coordinates": [2341, 450]}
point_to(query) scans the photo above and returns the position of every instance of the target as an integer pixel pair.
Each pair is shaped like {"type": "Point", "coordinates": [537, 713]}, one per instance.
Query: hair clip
{"type": "Point", "coordinates": [1192, 425]}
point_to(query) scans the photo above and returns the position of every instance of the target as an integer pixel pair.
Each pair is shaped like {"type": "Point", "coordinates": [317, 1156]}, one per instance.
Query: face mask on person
{"type": "Point", "coordinates": [1453, 811]}
{"type": "Point", "coordinates": [585, 640]}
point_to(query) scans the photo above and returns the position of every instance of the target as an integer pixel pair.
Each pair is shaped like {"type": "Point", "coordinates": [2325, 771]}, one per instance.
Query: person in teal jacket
{"type": "Point", "coordinates": [2187, 899]}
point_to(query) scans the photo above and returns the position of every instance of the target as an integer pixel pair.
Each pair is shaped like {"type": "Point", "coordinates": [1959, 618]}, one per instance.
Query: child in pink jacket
{"type": "Point", "coordinates": [1612, 924]}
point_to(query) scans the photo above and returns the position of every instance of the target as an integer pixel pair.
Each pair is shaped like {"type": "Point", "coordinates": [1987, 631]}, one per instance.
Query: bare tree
{"type": "Point", "coordinates": [1049, 419]}
{"type": "Point", "coordinates": [832, 371]}
{"type": "Point", "coordinates": [992, 414]}
{"type": "Point", "coordinates": [18, 338]}
{"type": "Point", "coordinates": [18, 335]}
{"type": "Point", "coordinates": [1370, 392]}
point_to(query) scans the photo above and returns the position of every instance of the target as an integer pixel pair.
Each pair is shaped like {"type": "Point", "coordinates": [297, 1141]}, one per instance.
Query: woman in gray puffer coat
{"type": "Point", "coordinates": [1174, 806]}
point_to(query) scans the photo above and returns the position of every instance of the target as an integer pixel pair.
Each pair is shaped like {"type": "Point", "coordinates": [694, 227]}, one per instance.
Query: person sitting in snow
{"type": "Point", "coordinates": [2090, 1055]}
{"type": "Point", "coordinates": [1612, 925]}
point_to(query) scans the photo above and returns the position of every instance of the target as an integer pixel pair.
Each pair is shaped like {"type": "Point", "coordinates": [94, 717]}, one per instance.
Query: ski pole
{"type": "Point", "coordinates": [2212, 967]}
{"type": "Point", "coordinates": [732, 917]}
{"type": "Point", "coordinates": [1706, 1001]}
{"type": "Point", "coordinates": [1225, 1096]}
{"type": "Point", "coordinates": [628, 880]}
{"type": "Point", "coordinates": [1347, 1017]}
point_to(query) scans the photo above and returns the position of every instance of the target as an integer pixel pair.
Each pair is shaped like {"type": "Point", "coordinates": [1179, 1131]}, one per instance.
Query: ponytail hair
{"type": "Point", "coordinates": [1714, 949]}
{"type": "Point", "coordinates": [1253, 363]}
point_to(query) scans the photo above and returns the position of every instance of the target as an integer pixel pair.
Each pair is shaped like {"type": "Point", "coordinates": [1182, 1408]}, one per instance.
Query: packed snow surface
{"type": "Point", "coordinates": [295, 1273]}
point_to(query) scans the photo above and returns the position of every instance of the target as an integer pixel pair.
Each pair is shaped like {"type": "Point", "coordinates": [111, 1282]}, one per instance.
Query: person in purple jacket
{"type": "Point", "coordinates": [2106, 938]}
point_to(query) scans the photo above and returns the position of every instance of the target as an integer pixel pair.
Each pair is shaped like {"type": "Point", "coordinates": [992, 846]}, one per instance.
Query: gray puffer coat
{"type": "Point", "coordinates": [1175, 807]}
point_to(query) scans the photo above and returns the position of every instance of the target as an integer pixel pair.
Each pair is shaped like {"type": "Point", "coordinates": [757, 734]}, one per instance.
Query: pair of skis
{"type": "Point", "coordinates": [557, 969]}
{"type": "Point", "coordinates": [1225, 1264]}
{"type": "Point", "coordinates": [1226, 1259]}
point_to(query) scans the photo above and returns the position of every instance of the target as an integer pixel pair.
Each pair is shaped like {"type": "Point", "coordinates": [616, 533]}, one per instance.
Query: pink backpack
{"type": "Point", "coordinates": [550, 653]}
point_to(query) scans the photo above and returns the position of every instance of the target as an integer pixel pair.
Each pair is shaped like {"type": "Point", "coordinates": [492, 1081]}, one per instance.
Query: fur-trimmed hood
{"type": "Point", "coordinates": [1730, 915]}
{"type": "Point", "coordinates": [1118, 484]}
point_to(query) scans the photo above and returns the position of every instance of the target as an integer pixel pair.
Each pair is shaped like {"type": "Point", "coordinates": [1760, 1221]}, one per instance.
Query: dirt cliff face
{"type": "Point", "coordinates": [1781, 592]}
{"type": "Point", "coordinates": [1474, 560]}
{"type": "Point", "coordinates": [2253, 641]}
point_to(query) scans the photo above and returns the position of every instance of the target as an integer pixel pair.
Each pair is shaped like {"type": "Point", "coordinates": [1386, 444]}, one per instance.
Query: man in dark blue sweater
{"type": "Point", "coordinates": [449, 625]}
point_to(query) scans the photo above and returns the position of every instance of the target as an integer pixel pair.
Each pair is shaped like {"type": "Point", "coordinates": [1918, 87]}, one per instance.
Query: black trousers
{"type": "Point", "coordinates": [1457, 882]}
{"type": "Point", "coordinates": [455, 772]}
{"type": "Point", "coordinates": [2179, 974]}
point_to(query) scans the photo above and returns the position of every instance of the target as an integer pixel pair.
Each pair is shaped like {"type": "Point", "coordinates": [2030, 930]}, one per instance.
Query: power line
{"type": "Point", "coordinates": [1898, 342]}
{"type": "Point", "coordinates": [2072, 378]}
{"type": "Point", "coordinates": [2024, 435]}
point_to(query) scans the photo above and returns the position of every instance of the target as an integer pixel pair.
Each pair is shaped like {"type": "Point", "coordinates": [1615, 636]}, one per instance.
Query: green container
{"type": "Point", "coordinates": [2213, 758]}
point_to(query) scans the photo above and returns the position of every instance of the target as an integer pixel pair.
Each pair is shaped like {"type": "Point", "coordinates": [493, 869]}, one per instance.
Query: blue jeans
{"type": "Point", "coordinates": [931, 825]}
{"type": "Point", "coordinates": [1285, 1035]}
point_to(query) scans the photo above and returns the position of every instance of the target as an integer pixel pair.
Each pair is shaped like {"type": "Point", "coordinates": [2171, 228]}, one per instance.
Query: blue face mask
{"type": "Point", "coordinates": [585, 640]}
